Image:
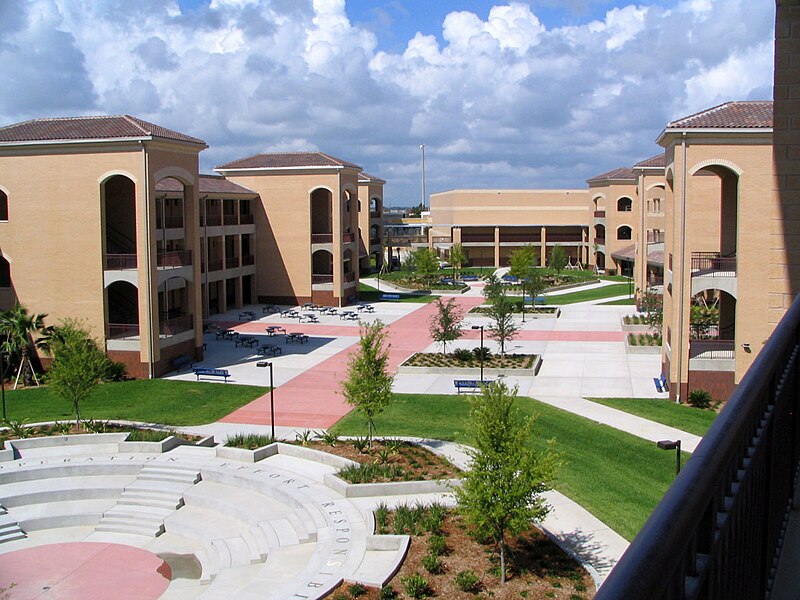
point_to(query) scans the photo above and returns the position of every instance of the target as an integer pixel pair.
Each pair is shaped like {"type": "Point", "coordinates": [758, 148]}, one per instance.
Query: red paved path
{"type": "Point", "coordinates": [312, 399]}
{"type": "Point", "coordinates": [83, 570]}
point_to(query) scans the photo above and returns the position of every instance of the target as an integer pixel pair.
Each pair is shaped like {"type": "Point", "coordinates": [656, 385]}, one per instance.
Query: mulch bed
{"type": "Point", "coordinates": [50, 430]}
{"type": "Point", "coordinates": [495, 361]}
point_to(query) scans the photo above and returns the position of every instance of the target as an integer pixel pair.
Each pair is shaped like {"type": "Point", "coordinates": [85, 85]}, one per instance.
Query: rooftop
{"type": "Point", "coordinates": [367, 178]}
{"type": "Point", "coordinates": [622, 173]}
{"type": "Point", "coordinates": [114, 127]}
{"type": "Point", "coordinates": [731, 115]}
{"type": "Point", "coordinates": [657, 161]}
{"type": "Point", "coordinates": [288, 160]}
{"type": "Point", "coordinates": [209, 184]}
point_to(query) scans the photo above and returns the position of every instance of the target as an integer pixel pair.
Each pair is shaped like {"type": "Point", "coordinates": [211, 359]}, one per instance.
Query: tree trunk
{"type": "Point", "coordinates": [502, 563]}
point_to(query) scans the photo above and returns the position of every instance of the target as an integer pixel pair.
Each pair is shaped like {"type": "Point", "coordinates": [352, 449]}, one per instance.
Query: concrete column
{"type": "Point", "coordinates": [496, 247]}
{"type": "Point", "coordinates": [543, 251]}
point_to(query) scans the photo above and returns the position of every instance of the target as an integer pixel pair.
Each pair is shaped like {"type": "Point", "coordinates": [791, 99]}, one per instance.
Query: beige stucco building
{"type": "Point", "coordinates": [491, 224]}
{"type": "Point", "coordinates": [721, 200]}
{"type": "Point", "coordinates": [107, 220]}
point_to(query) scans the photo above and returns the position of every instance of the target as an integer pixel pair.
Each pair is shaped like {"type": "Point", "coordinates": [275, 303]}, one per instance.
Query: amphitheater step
{"type": "Point", "coordinates": [11, 532]}
{"type": "Point", "coordinates": [129, 527]}
{"type": "Point", "coordinates": [150, 498]}
{"type": "Point", "coordinates": [169, 473]}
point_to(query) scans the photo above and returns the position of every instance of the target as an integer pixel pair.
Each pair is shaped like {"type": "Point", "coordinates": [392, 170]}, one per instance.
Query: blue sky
{"type": "Point", "coordinates": [514, 94]}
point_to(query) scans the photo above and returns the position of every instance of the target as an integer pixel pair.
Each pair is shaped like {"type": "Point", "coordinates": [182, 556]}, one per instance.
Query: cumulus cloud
{"type": "Point", "coordinates": [499, 100]}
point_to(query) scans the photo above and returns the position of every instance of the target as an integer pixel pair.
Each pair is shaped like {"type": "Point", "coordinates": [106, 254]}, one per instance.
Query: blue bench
{"type": "Point", "coordinates": [469, 278]}
{"type": "Point", "coordinates": [539, 300]}
{"type": "Point", "coordinates": [390, 296]}
{"type": "Point", "coordinates": [181, 361]}
{"type": "Point", "coordinates": [203, 372]}
{"type": "Point", "coordinates": [661, 384]}
{"type": "Point", "coordinates": [469, 384]}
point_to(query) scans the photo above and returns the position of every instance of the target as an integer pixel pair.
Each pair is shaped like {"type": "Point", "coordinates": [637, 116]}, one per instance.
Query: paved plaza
{"type": "Point", "coordinates": [213, 522]}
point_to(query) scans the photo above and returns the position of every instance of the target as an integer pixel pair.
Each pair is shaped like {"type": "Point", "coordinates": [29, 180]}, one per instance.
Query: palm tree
{"type": "Point", "coordinates": [16, 327]}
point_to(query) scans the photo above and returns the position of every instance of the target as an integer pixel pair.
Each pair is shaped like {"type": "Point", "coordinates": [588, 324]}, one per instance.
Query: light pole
{"type": "Point", "coordinates": [265, 363]}
{"type": "Point", "coordinates": [481, 355]}
{"type": "Point", "coordinates": [672, 445]}
{"type": "Point", "coordinates": [422, 147]}
{"type": "Point", "coordinates": [3, 381]}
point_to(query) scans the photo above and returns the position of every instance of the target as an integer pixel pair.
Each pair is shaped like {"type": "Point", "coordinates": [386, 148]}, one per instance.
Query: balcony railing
{"type": "Point", "coordinates": [564, 237]}
{"type": "Point", "coordinates": [528, 238]}
{"type": "Point", "coordinates": [321, 238]}
{"type": "Point", "coordinates": [348, 238]}
{"type": "Point", "coordinates": [248, 260]}
{"type": "Point", "coordinates": [174, 258]}
{"type": "Point", "coordinates": [711, 263]}
{"type": "Point", "coordinates": [231, 262]}
{"type": "Point", "coordinates": [215, 264]}
{"type": "Point", "coordinates": [120, 262]}
{"type": "Point", "coordinates": [321, 278]}
{"type": "Point", "coordinates": [442, 239]}
{"type": "Point", "coordinates": [600, 241]}
{"type": "Point", "coordinates": [712, 349]}
{"type": "Point", "coordinates": [655, 237]}
{"type": "Point", "coordinates": [246, 219]}
{"type": "Point", "coordinates": [213, 220]}
{"type": "Point", "coordinates": [176, 325]}
{"type": "Point", "coordinates": [172, 222]}
{"type": "Point", "coordinates": [599, 214]}
{"type": "Point", "coordinates": [230, 219]}
{"type": "Point", "coordinates": [477, 237]}
{"type": "Point", "coordinates": [375, 241]}
{"type": "Point", "coordinates": [123, 330]}
{"type": "Point", "coordinates": [719, 527]}
{"type": "Point", "coordinates": [349, 277]}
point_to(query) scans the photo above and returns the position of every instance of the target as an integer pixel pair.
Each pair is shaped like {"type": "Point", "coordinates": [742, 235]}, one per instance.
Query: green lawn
{"type": "Point", "coordinates": [618, 477]}
{"type": "Point", "coordinates": [155, 401]}
{"type": "Point", "coordinates": [686, 418]}
{"type": "Point", "coordinates": [367, 293]}
{"type": "Point", "coordinates": [623, 302]}
{"type": "Point", "coordinates": [608, 291]}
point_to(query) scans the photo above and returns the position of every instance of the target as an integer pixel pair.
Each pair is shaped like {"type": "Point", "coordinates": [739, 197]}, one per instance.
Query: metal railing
{"type": "Point", "coordinates": [477, 237]}
{"type": "Point", "coordinates": [718, 529]}
{"type": "Point", "coordinates": [246, 219]}
{"type": "Point", "coordinates": [213, 220]}
{"type": "Point", "coordinates": [231, 262]}
{"type": "Point", "coordinates": [321, 238]}
{"type": "Point", "coordinates": [122, 330]}
{"type": "Point", "coordinates": [442, 239]}
{"type": "Point", "coordinates": [529, 238]}
{"type": "Point", "coordinates": [120, 262]}
{"type": "Point", "coordinates": [348, 277]}
{"type": "Point", "coordinates": [712, 349]}
{"type": "Point", "coordinates": [174, 258]}
{"type": "Point", "coordinates": [176, 325]}
{"type": "Point", "coordinates": [248, 259]}
{"type": "Point", "coordinates": [215, 264]}
{"type": "Point", "coordinates": [599, 214]}
{"type": "Point", "coordinates": [230, 219]}
{"type": "Point", "coordinates": [321, 278]}
{"type": "Point", "coordinates": [712, 263]}
{"type": "Point", "coordinates": [349, 238]}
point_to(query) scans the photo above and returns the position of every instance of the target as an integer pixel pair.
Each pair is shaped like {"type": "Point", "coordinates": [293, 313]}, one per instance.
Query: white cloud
{"type": "Point", "coordinates": [498, 101]}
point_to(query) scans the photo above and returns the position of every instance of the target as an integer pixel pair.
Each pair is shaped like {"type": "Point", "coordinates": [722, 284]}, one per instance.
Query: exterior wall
{"type": "Point", "coordinates": [784, 275]}
{"type": "Point", "coordinates": [283, 222]}
{"type": "Point", "coordinates": [606, 194]}
{"type": "Point", "coordinates": [700, 231]}
{"type": "Point", "coordinates": [366, 220]}
{"type": "Point", "coordinates": [649, 216]}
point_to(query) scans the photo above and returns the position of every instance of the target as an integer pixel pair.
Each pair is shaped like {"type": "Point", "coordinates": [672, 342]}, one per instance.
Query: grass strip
{"type": "Point", "coordinates": [367, 293]}
{"type": "Point", "coordinates": [607, 291]}
{"type": "Point", "coordinates": [616, 476]}
{"type": "Point", "coordinates": [623, 302]}
{"type": "Point", "coordinates": [162, 401]}
{"type": "Point", "coordinates": [683, 417]}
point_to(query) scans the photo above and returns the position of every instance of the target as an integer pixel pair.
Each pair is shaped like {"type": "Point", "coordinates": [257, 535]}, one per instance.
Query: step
{"type": "Point", "coordinates": [209, 564]}
{"type": "Point", "coordinates": [119, 527]}
{"type": "Point", "coordinates": [154, 500]}
{"type": "Point", "coordinates": [186, 477]}
{"type": "Point", "coordinates": [134, 518]}
{"type": "Point", "coordinates": [270, 537]}
{"type": "Point", "coordinates": [287, 534]}
{"type": "Point", "coordinates": [256, 545]}
{"type": "Point", "coordinates": [303, 525]}
{"type": "Point", "coordinates": [12, 536]}
{"type": "Point", "coordinates": [158, 485]}
{"type": "Point", "coordinates": [139, 509]}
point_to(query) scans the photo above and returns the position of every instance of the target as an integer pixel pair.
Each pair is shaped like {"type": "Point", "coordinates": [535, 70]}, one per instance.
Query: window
{"type": "Point", "coordinates": [624, 233]}
{"type": "Point", "coordinates": [3, 206]}
{"type": "Point", "coordinates": [624, 205]}
{"type": "Point", "coordinates": [5, 273]}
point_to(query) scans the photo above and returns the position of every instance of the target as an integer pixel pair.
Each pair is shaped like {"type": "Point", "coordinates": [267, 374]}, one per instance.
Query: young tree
{"type": "Point", "coordinates": [558, 258]}
{"type": "Point", "coordinates": [502, 490]}
{"type": "Point", "coordinates": [457, 257]}
{"type": "Point", "coordinates": [445, 323]}
{"type": "Point", "coordinates": [16, 327]}
{"type": "Point", "coordinates": [368, 386]}
{"type": "Point", "coordinates": [78, 364]}
{"type": "Point", "coordinates": [425, 262]}
{"type": "Point", "coordinates": [523, 260]}
{"type": "Point", "coordinates": [502, 329]}
{"type": "Point", "coordinates": [651, 303]}
{"type": "Point", "coordinates": [493, 288]}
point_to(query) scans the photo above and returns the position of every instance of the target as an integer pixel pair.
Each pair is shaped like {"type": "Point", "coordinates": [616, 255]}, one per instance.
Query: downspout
{"type": "Point", "coordinates": [682, 302]}
{"type": "Point", "coordinates": [148, 257]}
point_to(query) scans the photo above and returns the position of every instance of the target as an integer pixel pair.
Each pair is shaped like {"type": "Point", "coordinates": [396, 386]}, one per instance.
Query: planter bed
{"type": "Point", "coordinates": [641, 349]}
{"type": "Point", "coordinates": [542, 312]}
{"type": "Point", "coordinates": [522, 365]}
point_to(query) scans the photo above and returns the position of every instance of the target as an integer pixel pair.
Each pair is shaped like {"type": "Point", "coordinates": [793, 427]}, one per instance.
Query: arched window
{"type": "Point", "coordinates": [624, 233]}
{"type": "Point", "coordinates": [5, 273]}
{"type": "Point", "coordinates": [3, 206]}
{"type": "Point", "coordinates": [624, 205]}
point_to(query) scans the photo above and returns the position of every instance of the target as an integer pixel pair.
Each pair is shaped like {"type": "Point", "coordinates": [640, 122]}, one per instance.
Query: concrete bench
{"type": "Point", "coordinates": [469, 384]}
{"type": "Point", "coordinates": [201, 372]}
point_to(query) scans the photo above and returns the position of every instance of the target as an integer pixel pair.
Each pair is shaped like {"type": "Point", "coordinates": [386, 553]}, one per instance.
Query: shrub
{"type": "Point", "coordinates": [437, 544]}
{"type": "Point", "coordinates": [415, 585]}
{"type": "Point", "coordinates": [633, 340]}
{"type": "Point", "coordinates": [462, 354]}
{"type": "Point", "coordinates": [95, 426]}
{"type": "Point", "coordinates": [305, 437]}
{"type": "Point", "coordinates": [467, 581]}
{"type": "Point", "coordinates": [387, 593]}
{"type": "Point", "coordinates": [62, 427]}
{"type": "Point", "coordinates": [700, 398]}
{"type": "Point", "coordinates": [393, 445]}
{"type": "Point", "coordinates": [330, 438]}
{"type": "Point", "coordinates": [433, 564]}
{"type": "Point", "coordinates": [114, 371]}
{"type": "Point", "coordinates": [148, 435]}
{"type": "Point", "coordinates": [371, 473]}
{"type": "Point", "coordinates": [356, 590]}
{"type": "Point", "coordinates": [484, 351]}
{"type": "Point", "coordinates": [361, 444]}
{"type": "Point", "coordinates": [381, 516]}
{"type": "Point", "coordinates": [249, 441]}
{"type": "Point", "coordinates": [18, 428]}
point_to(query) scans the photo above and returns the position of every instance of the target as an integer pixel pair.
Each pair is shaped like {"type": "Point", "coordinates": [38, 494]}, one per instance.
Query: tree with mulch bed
{"type": "Point", "coordinates": [368, 385]}
{"type": "Point", "coordinates": [502, 492]}
{"type": "Point", "coordinates": [445, 323]}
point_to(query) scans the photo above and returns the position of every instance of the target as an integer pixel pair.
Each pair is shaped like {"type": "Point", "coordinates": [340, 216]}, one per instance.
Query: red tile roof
{"type": "Point", "coordinates": [288, 160]}
{"type": "Point", "coordinates": [654, 162]}
{"type": "Point", "coordinates": [209, 184]}
{"type": "Point", "coordinates": [89, 128]}
{"type": "Point", "coordinates": [731, 115]}
{"type": "Point", "coordinates": [623, 173]}
{"type": "Point", "coordinates": [367, 178]}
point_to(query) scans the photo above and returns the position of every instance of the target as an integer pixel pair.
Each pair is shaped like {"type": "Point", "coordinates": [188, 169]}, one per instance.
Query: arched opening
{"type": "Point", "coordinates": [3, 206]}
{"type": "Point", "coordinates": [624, 232]}
{"type": "Point", "coordinates": [322, 267]}
{"type": "Point", "coordinates": [173, 306]}
{"type": "Point", "coordinates": [5, 273]}
{"type": "Point", "coordinates": [119, 204]}
{"type": "Point", "coordinates": [624, 204]}
{"type": "Point", "coordinates": [374, 235]}
{"type": "Point", "coordinates": [347, 264]}
{"type": "Point", "coordinates": [169, 204]}
{"type": "Point", "coordinates": [122, 310]}
{"type": "Point", "coordinates": [600, 234]}
{"type": "Point", "coordinates": [375, 207]}
{"type": "Point", "coordinates": [600, 260]}
{"type": "Point", "coordinates": [729, 200]}
{"type": "Point", "coordinates": [321, 215]}
{"type": "Point", "coordinates": [712, 324]}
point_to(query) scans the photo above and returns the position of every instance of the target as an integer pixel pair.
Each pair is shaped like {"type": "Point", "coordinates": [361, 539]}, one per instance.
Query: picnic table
{"type": "Point", "coordinates": [309, 318]}
{"type": "Point", "coordinates": [246, 340]}
{"type": "Point", "coordinates": [296, 336]}
{"type": "Point", "coordinates": [366, 308]}
{"type": "Point", "coordinates": [247, 315]}
{"type": "Point", "coordinates": [270, 308]}
{"type": "Point", "coordinates": [273, 329]}
{"type": "Point", "coordinates": [290, 314]}
{"type": "Point", "coordinates": [269, 349]}
{"type": "Point", "coordinates": [348, 315]}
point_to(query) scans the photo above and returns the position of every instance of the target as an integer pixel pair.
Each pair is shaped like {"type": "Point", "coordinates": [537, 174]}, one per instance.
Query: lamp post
{"type": "Point", "coordinates": [265, 363]}
{"type": "Point", "coordinates": [422, 147]}
{"type": "Point", "coordinates": [672, 445]}
{"type": "Point", "coordinates": [481, 328]}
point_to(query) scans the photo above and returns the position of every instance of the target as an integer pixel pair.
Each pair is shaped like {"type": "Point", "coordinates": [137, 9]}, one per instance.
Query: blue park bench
{"type": "Point", "coordinates": [469, 278]}
{"type": "Point", "coordinates": [661, 384]}
{"type": "Point", "coordinates": [539, 300]}
{"type": "Point", "coordinates": [469, 384]}
{"type": "Point", "coordinates": [204, 372]}
{"type": "Point", "coordinates": [390, 296]}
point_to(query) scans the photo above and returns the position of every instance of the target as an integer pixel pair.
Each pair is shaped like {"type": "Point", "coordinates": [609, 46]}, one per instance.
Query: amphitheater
{"type": "Point", "coordinates": [177, 521]}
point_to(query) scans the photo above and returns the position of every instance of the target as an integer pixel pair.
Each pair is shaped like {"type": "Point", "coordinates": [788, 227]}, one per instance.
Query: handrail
{"type": "Point", "coordinates": [706, 263]}
{"type": "Point", "coordinates": [717, 529]}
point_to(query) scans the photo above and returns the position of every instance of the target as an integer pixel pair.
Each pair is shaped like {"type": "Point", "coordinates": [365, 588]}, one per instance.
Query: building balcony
{"type": "Point", "coordinates": [211, 221]}
{"type": "Point", "coordinates": [246, 219]}
{"type": "Point", "coordinates": [230, 219]}
{"type": "Point", "coordinates": [599, 214]}
{"type": "Point", "coordinates": [171, 222]}
{"type": "Point", "coordinates": [321, 278]}
{"type": "Point", "coordinates": [174, 258]}
{"type": "Point", "coordinates": [712, 349]}
{"type": "Point", "coordinates": [350, 277]}
{"type": "Point", "coordinates": [724, 528]}
{"type": "Point", "coordinates": [118, 331]}
{"type": "Point", "coordinates": [348, 238]}
{"type": "Point", "coordinates": [600, 241]}
{"type": "Point", "coordinates": [712, 271]}
{"type": "Point", "coordinates": [215, 264]}
{"type": "Point", "coordinates": [375, 242]}
{"type": "Point", "coordinates": [477, 237]}
{"type": "Point", "coordinates": [321, 238]}
{"type": "Point", "coordinates": [231, 262]}
{"type": "Point", "coordinates": [248, 260]}
{"type": "Point", "coordinates": [176, 325]}
{"type": "Point", "coordinates": [525, 238]}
